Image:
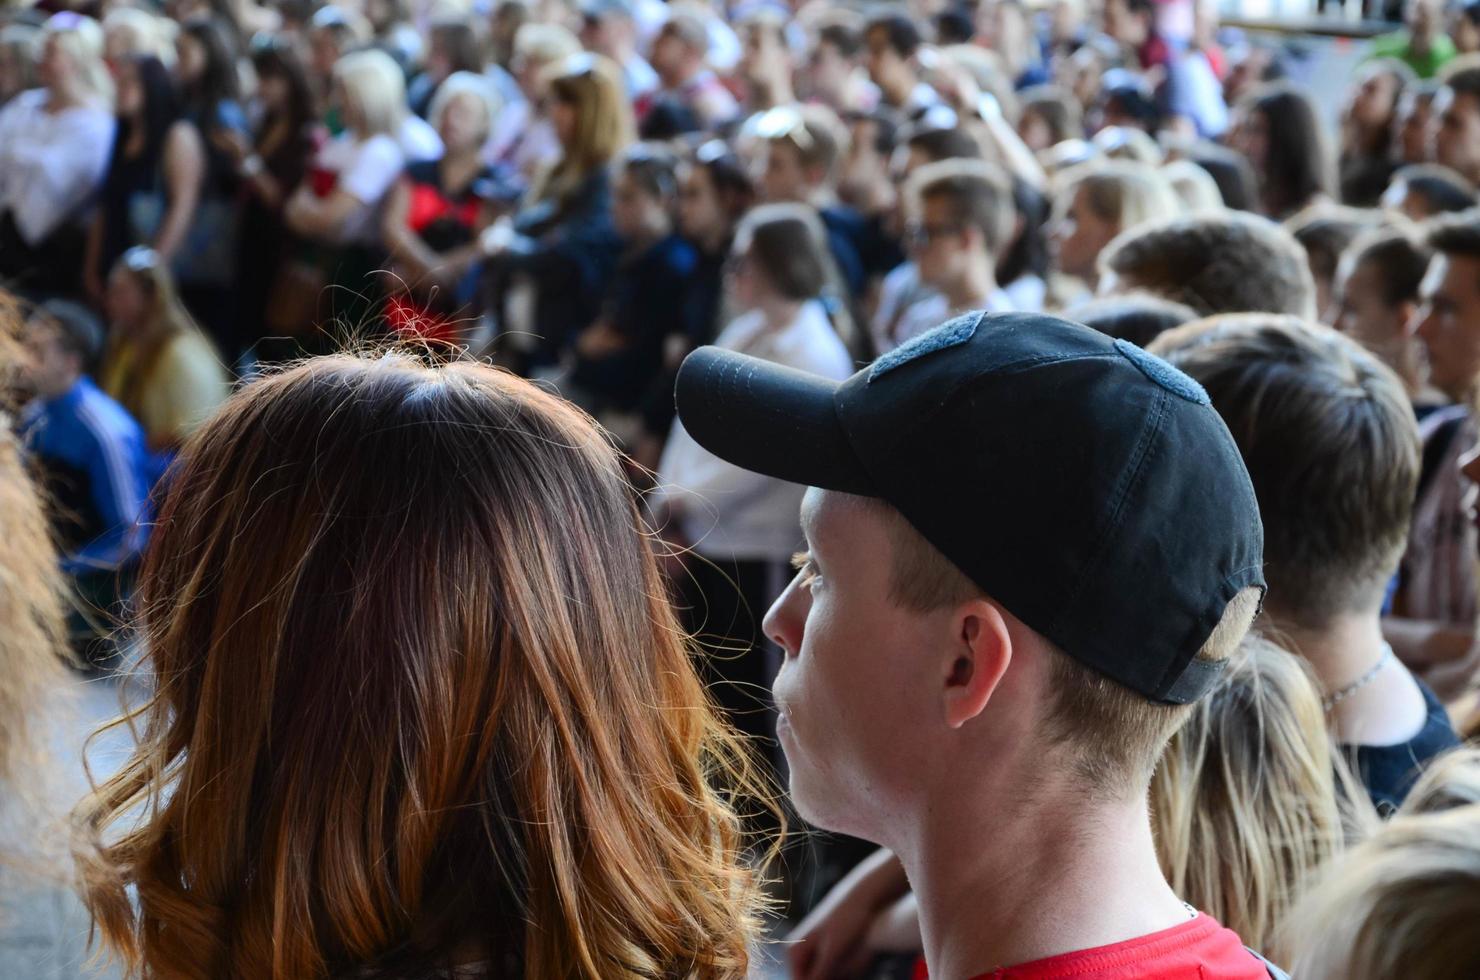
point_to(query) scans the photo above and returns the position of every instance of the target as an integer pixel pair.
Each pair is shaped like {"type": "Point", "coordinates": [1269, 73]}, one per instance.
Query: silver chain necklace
{"type": "Point", "coordinates": [1333, 700]}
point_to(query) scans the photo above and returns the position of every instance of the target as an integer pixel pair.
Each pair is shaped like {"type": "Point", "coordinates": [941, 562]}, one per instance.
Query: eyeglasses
{"type": "Point", "coordinates": [917, 234]}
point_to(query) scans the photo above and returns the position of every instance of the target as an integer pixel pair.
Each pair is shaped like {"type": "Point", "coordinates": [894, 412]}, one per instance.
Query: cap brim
{"type": "Point", "coordinates": [769, 419]}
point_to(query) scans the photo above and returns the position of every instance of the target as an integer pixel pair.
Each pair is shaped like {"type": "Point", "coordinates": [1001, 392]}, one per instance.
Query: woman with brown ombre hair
{"type": "Point", "coordinates": [422, 707]}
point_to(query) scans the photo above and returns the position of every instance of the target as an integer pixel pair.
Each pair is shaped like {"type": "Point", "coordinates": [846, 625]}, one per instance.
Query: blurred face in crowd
{"type": "Point", "coordinates": [1250, 137]}
{"type": "Point", "coordinates": [1413, 120]}
{"type": "Point", "coordinates": [606, 34]}
{"type": "Point", "coordinates": [785, 178]}
{"type": "Point", "coordinates": [529, 73]}
{"type": "Point", "coordinates": [671, 57]}
{"type": "Point", "coordinates": [130, 93]}
{"type": "Point", "coordinates": [1363, 314]}
{"type": "Point", "coordinates": [865, 173]}
{"type": "Point", "coordinates": [764, 57]}
{"type": "Point", "coordinates": [1245, 73]}
{"type": "Point", "coordinates": [1464, 33]}
{"type": "Point", "coordinates": [1371, 103]}
{"type": "Point", "coordinates": [464, 123]}
{"type": "Point", "coordinates": [1078, 236]}
{"type": "Point", "coordinates": [885, 67]}
{"type": "Point", "coordinates": [50, 369]}
{"type": "Point", "coordinates": [1125, 26]}
{"type": "Point", "coordinates": [1457, 139]}
{"type": "Point", "coordinates": [1034, 131]}
{"type": "Point", "coordinates": [323, 51]}
{"type": "Point", "coordinates": [851, 675]}
{"type": "Point", "coordinates": [746, 281]}
{"type": "Point", "coordinates": [190, 62]}
{"type": "Point", "coordinates": [1423, 17]}
{"type": "Point", "coordinates": [54, 70]}
{"type": "Point", "coordinates": [1448, 322]}
{"type": "Point", "coordinates": [273, 91]}
{"type": "Point", "coordinates": [701, 214]}
{"type": "Point", "coordinates": [939, 243]}
{"type": "Point", "coordinates": [1066, 18]}
{"type": "Point", "coordinates": [126, 302]}
{"type": "Point", "coordinates": [636, 213]}
{"type": "Point", "coordinates": [828, 74]}
{"type": "Point", "coordinates": [563, 119]}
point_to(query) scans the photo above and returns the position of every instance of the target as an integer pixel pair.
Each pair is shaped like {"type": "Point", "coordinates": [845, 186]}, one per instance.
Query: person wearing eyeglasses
{"type": "Point", "coordinates": [962, 220]}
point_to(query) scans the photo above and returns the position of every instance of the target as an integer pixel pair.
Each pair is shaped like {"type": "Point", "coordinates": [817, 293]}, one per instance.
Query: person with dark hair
{"type": "Point", "coordinates": [1434, 611]}
{"type": "Point", "coordinates": [1127, 100]}
{"type": "Point", "coordinates": [1422, 44]}
{"type": "Point", "coordinates": [270, 166]}
{"type": "Point", "coordinates": [1215, 263]}
{"type": "Point", "coordinates": [210, 96]}
{"type": "Point", "coordinates": [1412, 120]}
{"type": "Point", "coordinates": [1138, 318]}
{"type": "Point", "coordinates": [92, 462]}
{"type": "Point", "coordinates": [953, 25]}
{"type": "Point", "coordinates": [452, 46]}
{"type": "Point", "coordinates": [1425, 190]}
{"type": "Point", "coordinates": [1368, 129]}
{"type": "Point", "coordinates": [1281, 133]}
{"type": "Point", "coordinates": [1325, 231]}
{"type": "Point", "coordinates": [155, 177]}
{"type": "Point", "coordinates": [1457, 139]}
{"type": "Point", "coordinates": [619, 358]}
{"type": "Point", "coordinates": [1048, 115]}
{"type": "Point", "coordinates": [833, 75]}
{"type": "Point", "coordinates": [766, 62]}
{"type": "Point", "coordinates": [961, 220]}
{"type": "Point", "coordinates": [1329, 439]}
{"type": "Point", "coordinates": [1375, 298]}
{"type": "Point", "coordinates": [1464, 27]}
{"type": "Point", "coordinates": [1026, 263]}
{"type": "Point", "coordinates": [890, 41]}
{"type": "Point", "coordinates": [1231, 172]}
{"type": "Point", "coordinates": [91, 450]}
{"type": "Point", "coordinates": [803, 150]}
{"type": "Point", "coordinates": [714, 195]}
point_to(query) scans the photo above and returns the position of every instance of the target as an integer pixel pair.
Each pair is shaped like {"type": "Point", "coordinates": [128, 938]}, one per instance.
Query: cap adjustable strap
{"type": "Point", "coordinates": [1196, 680]}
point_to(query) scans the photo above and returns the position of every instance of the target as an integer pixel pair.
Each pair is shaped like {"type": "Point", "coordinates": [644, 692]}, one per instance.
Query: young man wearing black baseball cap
{"type": "Point", "coordinates": [1031, 547]}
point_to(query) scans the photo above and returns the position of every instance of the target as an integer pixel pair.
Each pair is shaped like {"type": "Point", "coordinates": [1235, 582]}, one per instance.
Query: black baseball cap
{"type": "Point", "coordinates": [1086, 485]}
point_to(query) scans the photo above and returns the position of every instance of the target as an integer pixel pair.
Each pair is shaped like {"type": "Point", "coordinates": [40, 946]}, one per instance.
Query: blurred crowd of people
{"type": "Point", "coordinates": [196, 196]}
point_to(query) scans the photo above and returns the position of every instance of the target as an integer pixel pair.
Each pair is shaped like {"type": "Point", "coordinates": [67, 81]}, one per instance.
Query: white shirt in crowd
{"type": "Point", "coordinates": [366, 170]}
{"type": "Point", "coordinates": [721, 509]}
{"type": "Point", "coordinates": [907, 307]}
{"type": "Point", "coordinates": [419, 141]}
{"type": "Point", "coordinates": [50, 162]}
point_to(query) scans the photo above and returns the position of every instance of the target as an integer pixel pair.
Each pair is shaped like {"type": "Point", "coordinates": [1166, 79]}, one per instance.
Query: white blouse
{"type": "Point", "coordinates": [721, 509]}
{"type": "Point", "coordinates": [50, 162]}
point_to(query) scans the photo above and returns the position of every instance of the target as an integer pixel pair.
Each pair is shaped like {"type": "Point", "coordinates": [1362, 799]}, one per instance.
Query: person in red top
{"type": "Point", "coordinates": [1030, 549]}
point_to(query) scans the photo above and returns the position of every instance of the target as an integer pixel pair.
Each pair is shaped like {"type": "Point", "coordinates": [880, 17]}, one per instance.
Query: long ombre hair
{"type": "Point", "coordinates": [1248, 802]}
{"type": "Point", "coordinates": [421, 702]}
{"type": "Point", "coordinates": [592, 86]}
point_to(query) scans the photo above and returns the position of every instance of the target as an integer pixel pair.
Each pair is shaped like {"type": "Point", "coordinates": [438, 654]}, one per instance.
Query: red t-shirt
{"type": "Point", "coordinates": [1198, 949]}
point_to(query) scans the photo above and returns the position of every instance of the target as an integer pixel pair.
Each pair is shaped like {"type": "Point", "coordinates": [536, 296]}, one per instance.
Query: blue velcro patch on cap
{"type": "Point", "coordinates": [1163, 373]}
{"type": "Point", "coordinates": [952, 333]}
